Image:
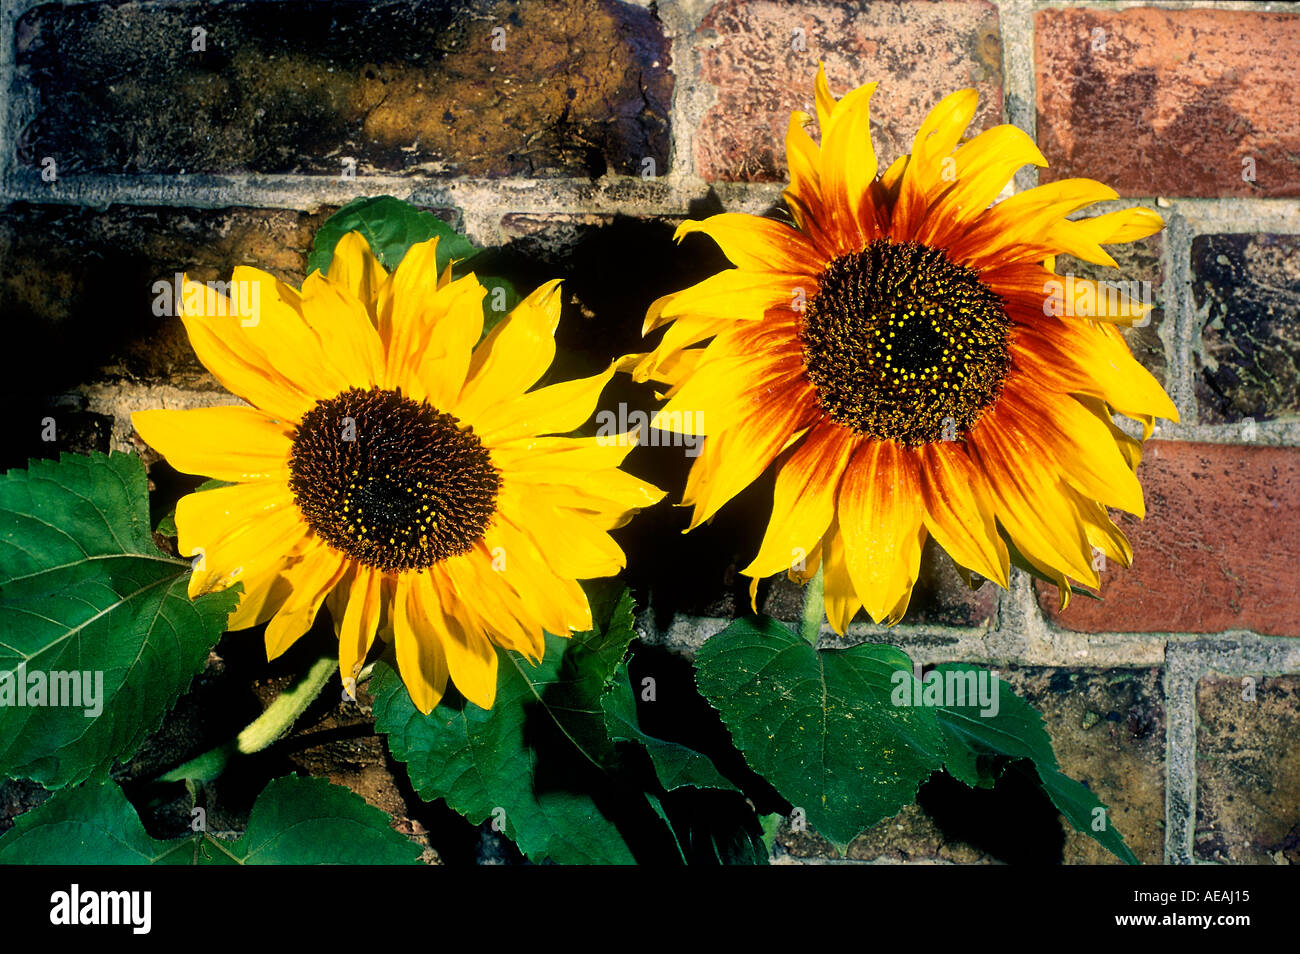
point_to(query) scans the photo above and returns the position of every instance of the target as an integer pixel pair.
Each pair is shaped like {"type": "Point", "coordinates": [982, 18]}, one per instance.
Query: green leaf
{"type": "Point", "coordinates": [718, 828]}
{"type": "Point", "coordinates": [675, 765]}
{"type": "Point", "coordinates": [295, 821]}
{"type": "Point", "coordinates": [974, 739]}
{"type": "Point", "coordinates": [981, 737]}
{"type": "Point", "coordinates": [1081, 809]}
{"type": "Point", "coordinates": [84, 592]}
{"type": "Point", "coordinates": [167, 525]}
{"type": "Point", "coordinates": [391, 226]}
{"type": "Point", "coordinates": [820, 725]}
{"type": "Point", "coordinates": [533, 760]}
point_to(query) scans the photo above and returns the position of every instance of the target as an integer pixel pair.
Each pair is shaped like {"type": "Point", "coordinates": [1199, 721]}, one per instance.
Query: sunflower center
{"type": "Point", "coordinates": [902, 344]}
{"type": "Point", "coordinates": [394, 484]}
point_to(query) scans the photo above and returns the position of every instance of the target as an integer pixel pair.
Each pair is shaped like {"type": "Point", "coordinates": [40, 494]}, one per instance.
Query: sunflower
{"type": "Point", "coordinates": [903, 355]}
{"type": "Point", "coordinates": [393, 470]}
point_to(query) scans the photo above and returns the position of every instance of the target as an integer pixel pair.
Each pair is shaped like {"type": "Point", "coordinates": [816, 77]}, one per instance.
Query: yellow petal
{"type": "Point", "coordinates": [445, 359]}
{"type": "Point", "coordinates": [804, 499]}
{"type": "Point", "coordinates": [318, 572]}
{"type": "Point", "coordinates": [825, 101]}
{"type": "Point", "coordinates": [804, 160]}
{"type": "Point", "coordinates": [758, 244]}
{"type": "Point", "coordinates": [959, 511]}
{"type": "Point", "coordinates": [880, 517]}
{"type": "Point", "coordinates": [514, 355]}
{"type": "Point", "coordinates": [348, 336]}
{"type": "Point", "coordinates": [285, 334]}
{"type": "Point", "coordinates": [557, 409]}
{"type": "Point", "coordinates": [848, 166]}
{"type": "Point", "coordinates": [360, 621]}
{"type": "Point", "coordinates": [1031, 504]}
{"type": "Point", "coordinates": [406, 308]}
{"type": "Point", "coordinates": [238, 535]}
{"type": "Point", "coordinates": [225, 443]}
{"type": "Point", "coordinates": [224, 349]}
{"type": "Point", "coordinates": [420, 658]}
{"type": "Point", "coordinates": [922, 176]}
{"type": "Point", "coordinates": [734, 294]}
{"type": "Point", "coordinates": [842, 601]}
{"type": "Point", "coordinates": [471, 660]}
{"type": "Point", "coordinates": [733, 458]}
{"type": "Point", "coordinates": [355, 267]}
{"type": "Point", "coordinates": [572, 544]}
{"type": "Point", "coordinates": [980, 169]}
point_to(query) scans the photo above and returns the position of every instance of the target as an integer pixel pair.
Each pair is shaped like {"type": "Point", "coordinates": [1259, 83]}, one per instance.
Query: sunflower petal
{"type": "Point", "coordinates": [881, 520]}
{"type": "Point", "coordinates": [226, 443]}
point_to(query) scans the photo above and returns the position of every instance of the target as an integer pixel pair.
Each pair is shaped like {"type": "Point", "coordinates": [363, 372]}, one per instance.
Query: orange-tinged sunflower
{"type": "Point", "coordinates": [395, 468]}
{"type": "Point", "coordinates": [900, 354]}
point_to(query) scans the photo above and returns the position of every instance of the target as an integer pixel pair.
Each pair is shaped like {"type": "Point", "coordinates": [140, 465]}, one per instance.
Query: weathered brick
{"type": "Point", "coordinates": [1170, 102]}
{"type": "Point", "coordinates": [296, 87]}
{"type": "Point", "coordinates": [1248, 770]}
{"type": "Point", "coordinates": [1215, 551]}
{"type": "Point", "coordinates": [1138, 262]}
{"type": "Point", "coordinates": [1108, 732]}
{"type": "Point", "coordinates": [78, 285]}
{"type": "Point", "coordinates": [1247, 288]}
{"type": "Point", "coordinates": [919, 52]}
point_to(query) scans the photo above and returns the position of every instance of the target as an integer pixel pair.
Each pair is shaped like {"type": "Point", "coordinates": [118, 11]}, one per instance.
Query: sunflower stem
{"type": "Point", "coordinates": [814, 608]}
{"type": "Point", "coordinates": [271, 725]}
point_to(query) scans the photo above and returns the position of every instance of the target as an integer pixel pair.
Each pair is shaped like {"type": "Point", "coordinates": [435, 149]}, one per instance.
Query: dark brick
{"type": "Point", "coordinates": [77, 285]}
{"type": "Point", "coordinates": [1248, 356]}
{"type": "Point", "coordinates": [1170, 102]}
{"type": "Point", "coordinates": [1215, 551]}
{"type": "Point", "coordinates": [1248, 771]}
{"type": "Point", "coordinates": [1141, 262]}
{"type": "Point", "coordinates": [918, 51]}
{"type": "Point", "coordinates": [401, 87]}
{"type": "Point", "coordinates": [1108, 732]}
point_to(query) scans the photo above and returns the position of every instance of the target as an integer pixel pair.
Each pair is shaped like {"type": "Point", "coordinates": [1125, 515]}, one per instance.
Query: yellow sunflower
{"type": "Point", "coordinates": [904, 354]}
{"type": "Point", "coordinates": [393, 470]}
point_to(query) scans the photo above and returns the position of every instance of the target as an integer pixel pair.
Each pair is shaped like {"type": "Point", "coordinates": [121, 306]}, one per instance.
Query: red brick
{"type": "Point", "coordinates": [1216, 551]}
{"type": "Point", "coordinates": [1173, 101]}
{"type": "Point", "coordinates": [918, 51]}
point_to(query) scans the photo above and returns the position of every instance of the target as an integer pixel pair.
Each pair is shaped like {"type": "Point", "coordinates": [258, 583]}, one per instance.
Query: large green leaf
{"type": "Point", "coordinates": [295, 821]}
{"type": "Point", "coordinates": [391, 226]}
{"type": "Point", "coordinates": [820, 725]}
{"type": "Point", "coordinates": [980, 738]}
{"type": "Point", "coordinates": [675, 765]}
{"type": "Point", "coordinates": [532, 762]}
{"type": "Point", "coordinates": [88, 601]}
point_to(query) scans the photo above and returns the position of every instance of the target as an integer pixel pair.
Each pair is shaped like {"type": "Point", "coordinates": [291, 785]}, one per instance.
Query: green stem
{"type": "Point", "coordinates": [814, 608]}
{"type": "Point", "coordinates": [278, 718]}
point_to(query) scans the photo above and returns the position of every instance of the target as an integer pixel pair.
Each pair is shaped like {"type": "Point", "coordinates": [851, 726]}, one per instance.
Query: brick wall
{"type": "Point", "coordinates": [145, 138]}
